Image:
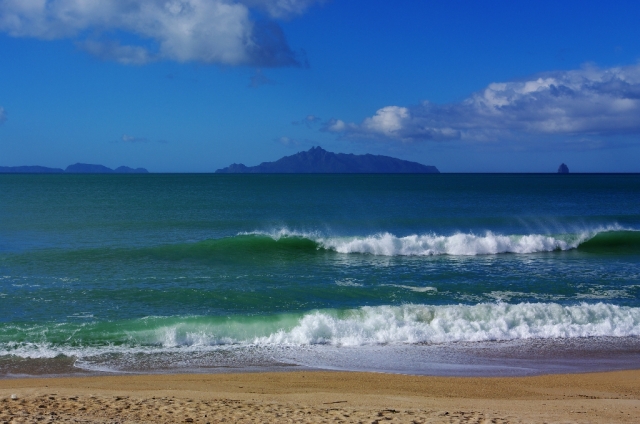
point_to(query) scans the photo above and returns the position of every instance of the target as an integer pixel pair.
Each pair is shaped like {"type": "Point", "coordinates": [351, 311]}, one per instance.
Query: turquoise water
{"type": "Point", "coordinates": [134, 272]}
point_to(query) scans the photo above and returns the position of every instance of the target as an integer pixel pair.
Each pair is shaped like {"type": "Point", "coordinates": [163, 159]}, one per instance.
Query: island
{"type": "Point", "coordinates": [78, 168]}
{"type": "Point", "coordinates": [319, 161]}
{"type": "Point", "coordinates": [86, 168]}
{"type": "Point", "coordinates": [29, 170]}
{"type": "Point", "coordinates": [563, 169]}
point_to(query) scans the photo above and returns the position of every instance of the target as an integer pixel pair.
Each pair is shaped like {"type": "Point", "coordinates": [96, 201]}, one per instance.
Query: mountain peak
{"type": "Point", "coordinates": [319, 161]}
{"type": "Point", "coordinates": [563, 169]}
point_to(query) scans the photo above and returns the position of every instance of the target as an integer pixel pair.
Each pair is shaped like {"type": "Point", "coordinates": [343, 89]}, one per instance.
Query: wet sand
{"type": "Point", "coordinates": [330, 397]}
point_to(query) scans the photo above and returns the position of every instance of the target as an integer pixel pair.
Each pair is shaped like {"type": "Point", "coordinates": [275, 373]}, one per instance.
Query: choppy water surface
{"type": "Point", "coordinates": [427, 274]}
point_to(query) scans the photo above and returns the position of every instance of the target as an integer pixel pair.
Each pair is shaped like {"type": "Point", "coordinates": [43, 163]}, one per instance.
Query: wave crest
{"type": "Point", "coordinates": [457, 245]}
{"type": "Point", "coordinates": [464, 244]}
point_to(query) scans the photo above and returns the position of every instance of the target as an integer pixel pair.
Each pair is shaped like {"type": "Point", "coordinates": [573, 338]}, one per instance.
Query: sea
{"type": "Point", "coordinates": [436, 274]}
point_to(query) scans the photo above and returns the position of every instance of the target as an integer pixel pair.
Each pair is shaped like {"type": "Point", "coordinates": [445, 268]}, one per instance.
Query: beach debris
{"type": "Point", "coordinates": [14, 397]}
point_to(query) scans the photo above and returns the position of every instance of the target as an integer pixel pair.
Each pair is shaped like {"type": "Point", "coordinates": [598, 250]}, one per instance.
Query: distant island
{"type": "Point", "coordinates": [563, 169]}
{"type": "Point", "coordinates": [77, 168]}
{"type": "Point", "coordinates": [319, 161]}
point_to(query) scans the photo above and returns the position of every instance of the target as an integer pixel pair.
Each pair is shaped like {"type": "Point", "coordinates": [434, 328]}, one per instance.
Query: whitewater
{"type": "Point", "coordinates": [459, 244]}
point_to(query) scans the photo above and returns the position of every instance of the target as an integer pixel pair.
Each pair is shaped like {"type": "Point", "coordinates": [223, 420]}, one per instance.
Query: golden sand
{"type": "Point", "coordinates": [328, 397]}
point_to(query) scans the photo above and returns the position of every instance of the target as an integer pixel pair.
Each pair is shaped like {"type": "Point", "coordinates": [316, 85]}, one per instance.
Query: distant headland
{"type": "Point", "coordinates": [319, 161]}
{"type": "Point", "coordinates": [77, 168]}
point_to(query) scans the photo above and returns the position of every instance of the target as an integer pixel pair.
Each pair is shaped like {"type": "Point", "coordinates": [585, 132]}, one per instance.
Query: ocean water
{"type": "Point", "coordinates": [422, 274]}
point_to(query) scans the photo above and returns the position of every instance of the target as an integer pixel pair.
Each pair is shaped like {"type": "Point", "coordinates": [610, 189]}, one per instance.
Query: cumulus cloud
{"type": "Point", "coordinates": [3, 115]}
{"type": "Point", "coordinates": [587, 101]}
{"type": "Point", "coordinates": [209, 31]}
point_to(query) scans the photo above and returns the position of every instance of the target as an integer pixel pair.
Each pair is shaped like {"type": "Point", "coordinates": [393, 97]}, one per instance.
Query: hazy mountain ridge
{"type": "Point", "coordinates": [29, 170]}
{"type": "Point", "coordinates": [319, 161]}
{"type": "Point", "coordinates": [77, 168]}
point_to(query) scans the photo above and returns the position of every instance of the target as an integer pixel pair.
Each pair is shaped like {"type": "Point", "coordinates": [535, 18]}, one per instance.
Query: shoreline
{"type": "Point", "coordinates": [316, 396]}
{"type": "Point", "coordinates": [507, 358]}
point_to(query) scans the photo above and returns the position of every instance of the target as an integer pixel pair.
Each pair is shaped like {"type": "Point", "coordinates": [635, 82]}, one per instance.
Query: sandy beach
{"type": "Point", "coordinates": [341, 397]}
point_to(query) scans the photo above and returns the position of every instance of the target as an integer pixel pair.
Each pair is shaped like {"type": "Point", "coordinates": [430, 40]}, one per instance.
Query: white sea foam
{"type": "Point", "coordinates": [387, 244]}
{"type": "Point", "coordinates": [346, 282]}
{"type": "Point", "coordinates": [440, 324]}
{"type": "Point", "coordinates": [508, 296]}
{"type": "Point", "coordinates": [459, 244]}
{"type": "Point", "coordinates": [368, 326]}
{"type": "Point", "coordinates": [413, 288]}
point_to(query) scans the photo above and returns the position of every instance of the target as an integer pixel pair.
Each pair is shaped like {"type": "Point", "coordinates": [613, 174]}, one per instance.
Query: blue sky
{"type": "Point", "coordinates": [194, 85]}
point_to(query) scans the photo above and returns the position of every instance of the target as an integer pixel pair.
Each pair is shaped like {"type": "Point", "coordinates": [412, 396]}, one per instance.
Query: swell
{"type": "Point", "coordinates": [612, 241]}
{"type": "Point", "coordinates": [605, 239]}
{"type": "Point", "coordinates": [377, 325]}
{"type": "Point", "coordinates": [223, 250]}
{"type": "Point", "coordinates": [286, 244]}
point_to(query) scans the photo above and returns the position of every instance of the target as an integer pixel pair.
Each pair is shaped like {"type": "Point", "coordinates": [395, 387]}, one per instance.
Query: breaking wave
{"type": "Point", "coordinates": [466, 244]}
{"type": "Point", "coordinates": [285, 244]}
{"type": "Point", "coordinates": [408, 324]}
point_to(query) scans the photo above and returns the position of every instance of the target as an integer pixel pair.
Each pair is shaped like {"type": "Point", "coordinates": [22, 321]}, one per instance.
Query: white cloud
{"type": "Point", "coordinates": [3, 115]}
{"type": "Point", "coordinates": [587, 101]}
{"type": "Point", "coordinates": [210, 31]}
{"type": "Point", "coordinates": [388, 120]}
{"type": "Point", "coordinates": [338, 125]}
{"type": "Point", "coordinates": [288, 141]}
